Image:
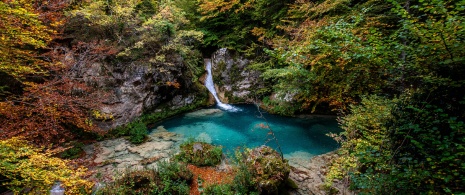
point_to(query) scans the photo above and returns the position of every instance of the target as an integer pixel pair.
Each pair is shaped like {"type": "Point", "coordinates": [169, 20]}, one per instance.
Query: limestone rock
{"type": "Point", "coordinates": [132, 88]}
{"type": "Point", "coordinates": [149, 149]}
{"type": "Point", "coordinates": [205, 112]}
{"type": "Point", "coordinates": [235, 80]}
{"type": "Point", "coordinates": [310, 176]}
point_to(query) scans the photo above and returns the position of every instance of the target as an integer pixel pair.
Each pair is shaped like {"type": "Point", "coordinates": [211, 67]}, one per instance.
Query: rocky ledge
{"type": "Point", "coordinates": [111, 157]}
{"type": "Point", "coordinates": [310, 176]}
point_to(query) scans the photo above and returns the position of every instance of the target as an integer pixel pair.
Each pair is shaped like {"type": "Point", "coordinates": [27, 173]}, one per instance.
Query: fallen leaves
{"type": "Point", "coordinates": [209, 176]}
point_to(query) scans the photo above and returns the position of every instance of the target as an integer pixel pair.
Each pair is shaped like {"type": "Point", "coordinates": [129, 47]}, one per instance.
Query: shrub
{"type": "Point", "coordinates": [24, 167]}
{"type": "Point", "coordinates": [137, 132]}
{"type": "Point", "coordinates": [219, 189]}
{"type": "Point", "coordinates": [175, 171]}
{"type": "Point", "coordinates": [268, 170]}
{"type": "Point", "coordinates": [170, 178]}
{"type": "Point", "coordinates": [200, 153]}
{"type": "Point", "coordinates": [73, 152]}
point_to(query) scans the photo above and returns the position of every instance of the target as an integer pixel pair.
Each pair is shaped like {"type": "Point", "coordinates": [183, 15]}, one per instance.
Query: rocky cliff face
{"type": "Point", "coordinates": [132, 88]}
{"type": "Point", "coordinates": [235, 81]}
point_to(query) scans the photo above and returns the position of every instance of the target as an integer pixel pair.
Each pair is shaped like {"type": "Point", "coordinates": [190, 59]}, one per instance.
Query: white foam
{"type": "Point", "coordinates": [211, 87]}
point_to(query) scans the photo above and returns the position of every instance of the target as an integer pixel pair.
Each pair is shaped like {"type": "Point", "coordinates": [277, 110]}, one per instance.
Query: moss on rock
{"type": "Point", "coordinates": [269, 170]}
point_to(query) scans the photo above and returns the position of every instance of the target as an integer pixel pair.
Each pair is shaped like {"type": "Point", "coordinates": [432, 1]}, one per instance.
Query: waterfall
{"type": "Point", "coordinates": [211, 87]}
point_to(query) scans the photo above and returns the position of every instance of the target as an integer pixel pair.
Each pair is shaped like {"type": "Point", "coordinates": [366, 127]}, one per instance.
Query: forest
{"type": "Point", "coordinates": [392, 71]}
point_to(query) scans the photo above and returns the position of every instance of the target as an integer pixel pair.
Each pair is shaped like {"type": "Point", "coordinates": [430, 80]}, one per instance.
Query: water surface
{"type": "Point", "coordinates": [297, 137]}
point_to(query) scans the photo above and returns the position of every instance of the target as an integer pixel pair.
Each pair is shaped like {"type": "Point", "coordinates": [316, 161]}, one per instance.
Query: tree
{"type": "Point", "coordinates": [237, 24]}
{"type": "Point", "coordinates": [416, 145]}
{"type": "Point", "coordinates": [23, 35]}
{"type": "Point", "coordinates": [331, 59]}
{"type": "Point", "coordinates": [24, 169]}
{"type": "Point", "coordinates": [52, 112]}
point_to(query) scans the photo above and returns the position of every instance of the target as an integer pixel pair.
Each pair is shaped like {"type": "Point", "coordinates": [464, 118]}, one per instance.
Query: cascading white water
{"type": "Point", "coordinates": [211, 87]}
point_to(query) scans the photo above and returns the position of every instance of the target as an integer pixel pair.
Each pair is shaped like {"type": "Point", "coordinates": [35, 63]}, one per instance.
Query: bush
{"type": "Point", "coordinates": [268, 170]}
{"type": "Point", "coordinates": [137, 132]}
{"type": "Point", "coordinates": [25, 168]}
{"type": "Point", "coordinates": [73, 152]}
{"type": "Point", "coordinates": [200, 153]}
{"type": "Point", "coordinates": [170, 178]}
{"type": "Point", "coordinates": [175, 171]}
{"type": "Point", "coordinates": [219, 189]}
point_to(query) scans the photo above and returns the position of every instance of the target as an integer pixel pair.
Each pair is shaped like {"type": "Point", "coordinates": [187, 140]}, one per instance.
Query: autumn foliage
{"type": "Point", "coordinates": [54, 106]}
{"type": "Point", "coordinates": [48, 112]}
{"type": "Point", "coordinates": [26, 170]}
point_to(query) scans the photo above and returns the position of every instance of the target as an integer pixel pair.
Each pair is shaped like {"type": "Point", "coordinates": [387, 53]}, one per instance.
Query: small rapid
{"type": "Point", "coordinates": [211, 87]}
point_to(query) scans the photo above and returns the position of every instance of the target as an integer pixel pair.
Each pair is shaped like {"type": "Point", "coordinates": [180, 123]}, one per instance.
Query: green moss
{"type": "Point", "coordinates": [269, 170]}
{"type": "Point", "coordinates": [136, 130]}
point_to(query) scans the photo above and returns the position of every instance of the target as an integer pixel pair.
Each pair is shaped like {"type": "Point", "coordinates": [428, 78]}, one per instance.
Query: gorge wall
{"type": "Point", "coordinates": [134, 88]}
{"type": "Point", "coordinates": [235, 81]}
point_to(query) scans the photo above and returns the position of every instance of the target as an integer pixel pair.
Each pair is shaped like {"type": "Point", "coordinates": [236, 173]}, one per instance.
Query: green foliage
{"type": "Point", "coordinates": [146, 8]}
{"type": "Point", "coordinates": [25, 169]}
{"type": "Point", "coordinates": [243, 180]}
{"type": "Point", "coordinates": [333, 60]}
{"type": "Point", "coordinates": [219, 189]}
{"type": "Point", "coordinates": [392, 146]}
{"type": "Point", "coordinates": [74, 152]}
{"type": "Point", "coordinates": [260, 170]}
{"type": "Point", "coordinates": [174, 171]}
{"type": "Point", "coordinates": [236, 24]}
{"type": "Point", "coordinates": [170, 178]}
{"type": "Point", "coordinates": [429, 148]}
{"type": "Point", "coordinates": [136, 130]}
{"type": "Point", "coordinates": [365, 145]}
{"type": "Point", "coordinates": [200, 153]}
{"type": "Point", "coordinates": [412, 144]}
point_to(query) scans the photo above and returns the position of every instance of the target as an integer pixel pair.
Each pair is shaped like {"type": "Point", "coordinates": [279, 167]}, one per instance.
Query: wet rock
{"type": "Point", "coordinates": [205, 112]}
{"type": "Point", "coordinates": [113, 157]}
{"type": "Point", "coordinates": [238, 81]}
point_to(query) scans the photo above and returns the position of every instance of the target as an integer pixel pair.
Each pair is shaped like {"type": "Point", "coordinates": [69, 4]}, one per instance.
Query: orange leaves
{"type": "Point", "coordinates": [262, 126]}
{"type": "Point", "coordinates": [24, 33]}
{"type": "Point", "coordinates": [209, 176]}
{"type": "Point", "coordinates": [47, 112]}
{"type": "Point", "coordinates": [174, 84]}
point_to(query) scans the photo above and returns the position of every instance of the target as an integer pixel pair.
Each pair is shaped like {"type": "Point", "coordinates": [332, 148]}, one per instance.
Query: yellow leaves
{"type": "Point", "coordinates": [97, 114]}
{"type": "Point", "coordinates": [25, 167]}
{"type": "Point", "coordinates": [211, 8]}
{"type": "Point", "coordinates": [21, 29]}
